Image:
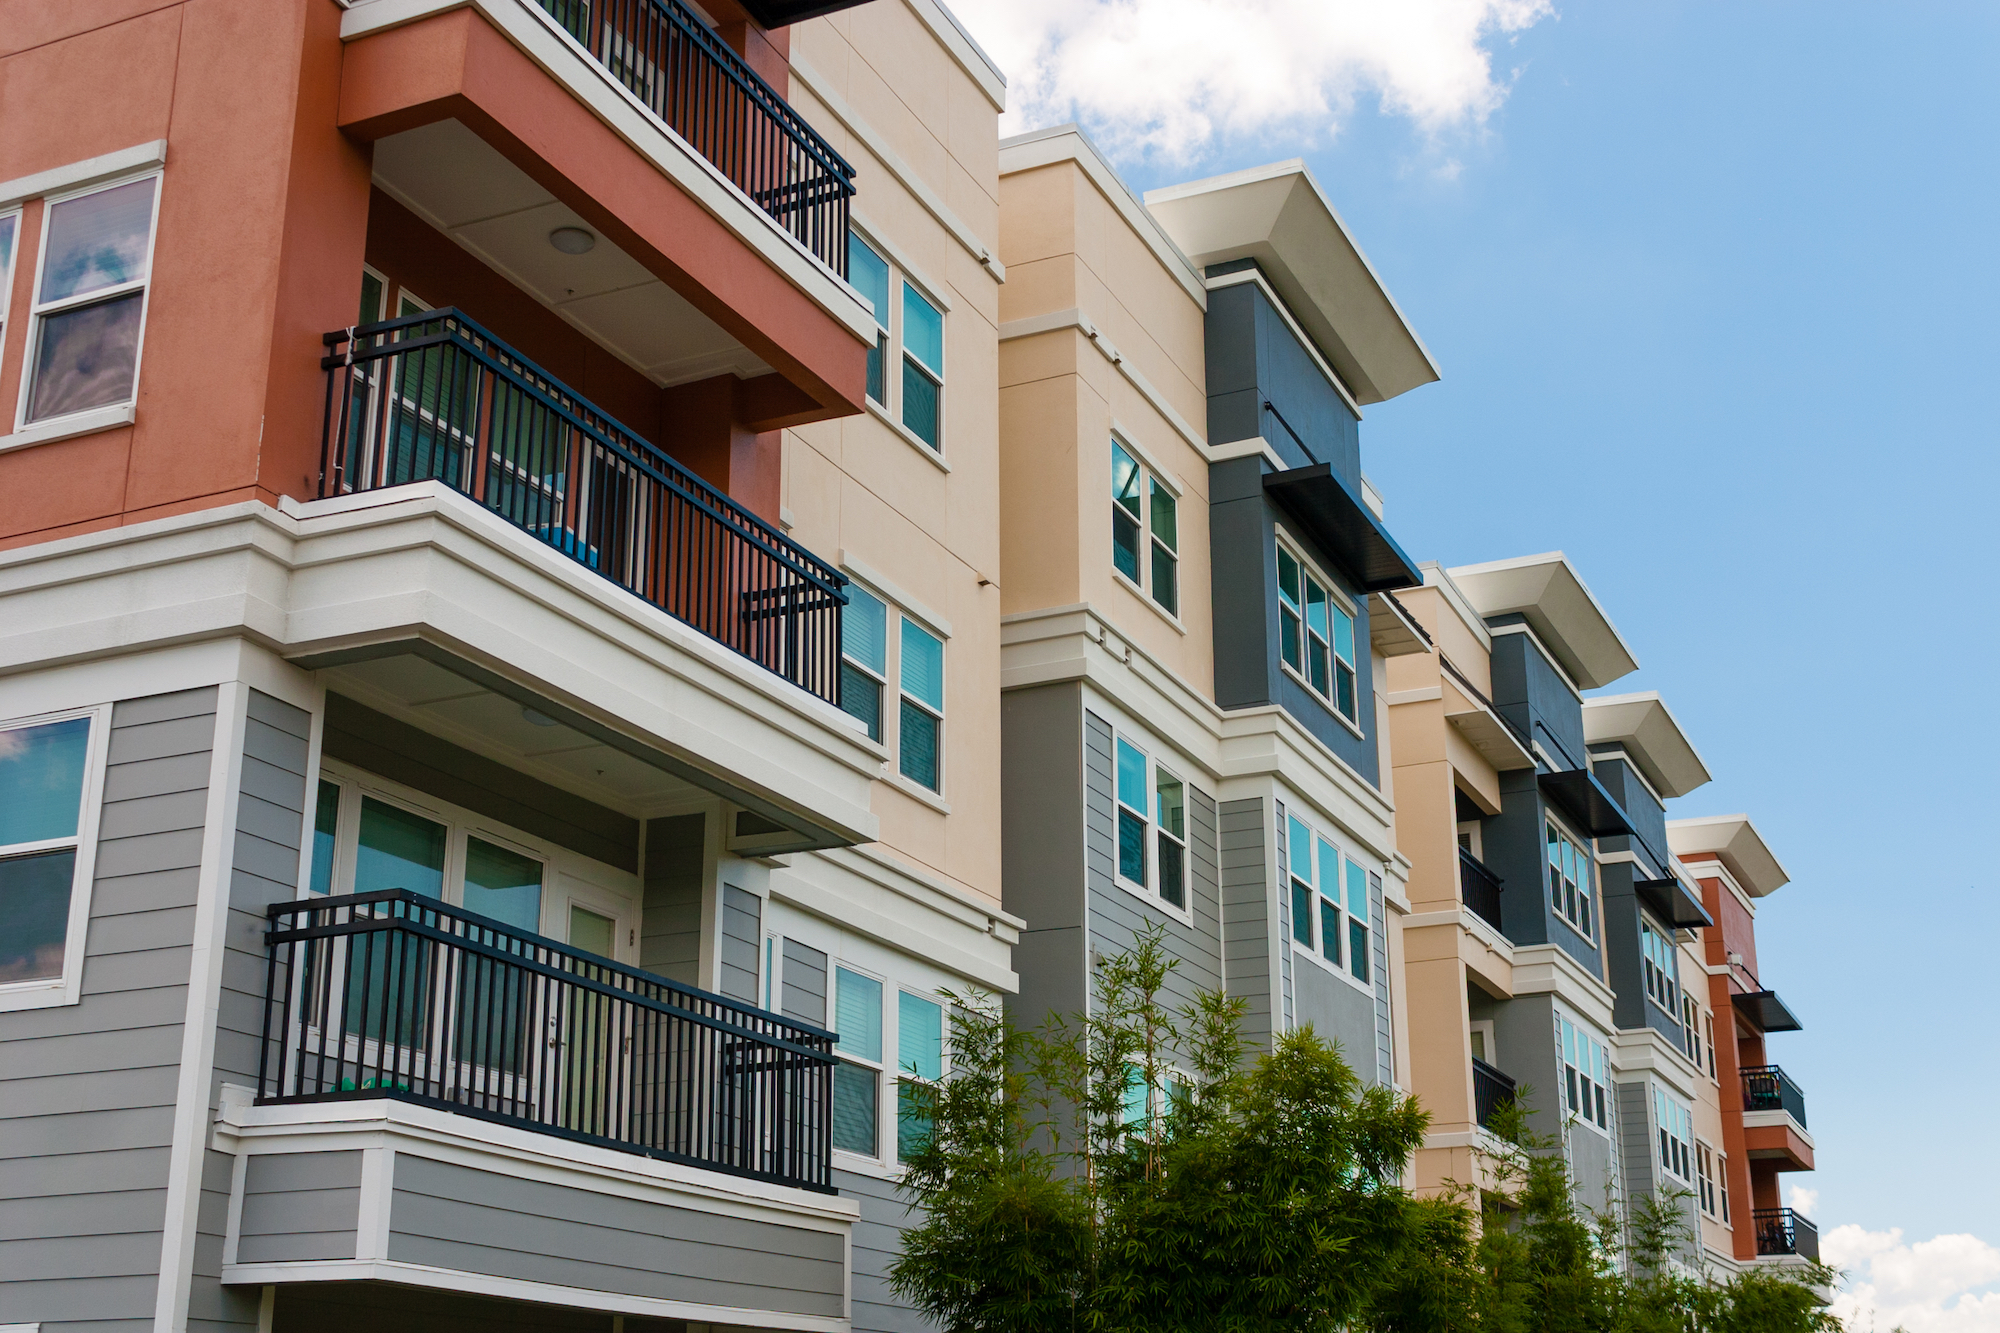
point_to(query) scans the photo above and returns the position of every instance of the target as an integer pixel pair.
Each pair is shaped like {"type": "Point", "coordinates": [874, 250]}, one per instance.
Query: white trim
{"type": "Point", "coordinates": [66, 989]}
{"type": "Point", "coordinates": [1074, 318]}
{"type": "Point", "coordinates": [1149, 892]}
{"type": "Point", "coordinates": [20, 1328]}
{"type": "Point", "coordinates": [1256, 275]}
{"type": "Point", "coordinates": [892, 162]}
{"type": "Point", "coordinates": [75, 175]}
{"type": "Point", "coordinates": [1127, 438]}
{"type": "Point", "coordinates": [211, 924]}
{"type": "Point", "coordinates": [73, 425]}
{"type": "Point", "coordinates": [1118, 577]}
{"type": "Point", "coordinates": [1255, 446]}
{"type": "Point", "coordinates": [881, 413]}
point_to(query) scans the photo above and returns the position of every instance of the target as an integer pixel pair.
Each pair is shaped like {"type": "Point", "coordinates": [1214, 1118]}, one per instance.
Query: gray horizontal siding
{"type": "Point", "coordinates": [670, 925]}
{"type": "Point", "coordinates": [878, 1239]}
{"type": "Point", "coordinates": [742, 934]}
{"type": "Point", "coordinates": [87, 1090]}
{"type": "Point", "coordinates": [474, 1221]}
{"type": "Point", "coordinates": [299, 1206]}
{"type": "Point", "coordinates": [804, 996]}
{"type": "Point", "coordinates": [1248, 927]}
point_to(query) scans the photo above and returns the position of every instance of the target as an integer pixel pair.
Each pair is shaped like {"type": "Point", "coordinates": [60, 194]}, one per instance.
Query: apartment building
{"type": "Point", "coordinates": [1193, 624]}
{"type": "Point", "coordinates": [499, 649]}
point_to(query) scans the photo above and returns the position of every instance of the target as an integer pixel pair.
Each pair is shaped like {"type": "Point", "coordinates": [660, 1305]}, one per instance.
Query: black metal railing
{"type": "Point", "coordinates": [1782, 1231]}
{"type": "Point", "coordinates": [435, 397]}
{"type": "Point", "coordinates": [1491, 1090]}
{"type": "Point", "coordinates": [1769, 1088]}
{"type": "Point", "coordinates": [707, 94]}
{"type": "Point", "coordinates": [397, 995]}
{"type": "Point", "coordinates": [1479, 888]}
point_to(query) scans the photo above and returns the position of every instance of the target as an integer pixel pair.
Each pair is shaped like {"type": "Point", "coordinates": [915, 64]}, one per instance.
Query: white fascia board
{"type": "Point", "coordinates": [1559, 606]}
{"type": "Point", "coordinates": [1736, 841]}
{"type": "Point", "coordinates": [1649, 732]}
{"type": "Point", "coordinates": [1069, 143]}
{"type": "Point", "coordinates": [872, 894]}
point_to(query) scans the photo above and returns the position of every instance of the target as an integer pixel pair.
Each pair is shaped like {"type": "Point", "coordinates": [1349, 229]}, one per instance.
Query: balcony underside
{"type": "Point", "coordinates": [1776, 1138]}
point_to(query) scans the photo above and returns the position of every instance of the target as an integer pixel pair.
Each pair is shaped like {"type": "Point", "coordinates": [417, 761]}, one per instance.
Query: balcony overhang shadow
{"type": "Point", "coordinates": [1343, 526]}
{"type": "Point", "coordinates": [1669, 900]}
{"type": "Point", "coordinates": [1766, 1011]}
{"type": "Point", "coordinates": [1585, 799]}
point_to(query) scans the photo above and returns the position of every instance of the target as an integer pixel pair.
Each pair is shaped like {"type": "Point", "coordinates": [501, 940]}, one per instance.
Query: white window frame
{"type": "Point", "coordinates": [1704, 1167]}
{"type": "Point", "coordinates": [885, 1122]}
{"type": "Point", "coordinates": [893, 1027]}
{"type": "Point", "coordinates": [1592, 1094]}
{"type": "Point", "coordinates": [1338, 599]}
{"type": "Point", "coordinates": [901, 282]}
{"type": "Point", "coordinates": [1587, 892]}
{"type": "Point", "coordinates": [907, 782]}
{"type": "Point", "coordinates": [1663, 989]}
{"type": "Point", "coordinates": [67, 988]}
{"type": "Point", "coordinates": [1151, 480]}
{"type": "Point", "coordinates": [889, 651]}
{"type": "Point", "coordinates": [11, 271]}
{"type": "Point", "coordinates": [38, 311]}
{"type": "Point", "coordinates": [883, 342]}
{"type": "Point", "coordinates": [1675, 1153]}
{"type": "Point", "coordinates": [1318, 837]}
{"type": "Point", "coordinates": [1151, 832]}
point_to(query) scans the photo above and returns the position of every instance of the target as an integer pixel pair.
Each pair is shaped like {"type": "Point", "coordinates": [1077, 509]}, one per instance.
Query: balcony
{"type": "Point", "coordinates": [1768, 1088]}
{"type": "Point", "coordinates": [394, 995]}
{"type": "Point", "coordinates": [683, 73]}
{"type": "Point", "coordinates": [1781, 1231]}
{"type": "Point", "coordinates": [1491, 1090]}
{"type": "Point", "coordinates": [435, 397]}
{"type": "Point", "coordinates": [1479, 888]}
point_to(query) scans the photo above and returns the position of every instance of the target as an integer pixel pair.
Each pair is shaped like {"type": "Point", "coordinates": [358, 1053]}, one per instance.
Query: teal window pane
{"type": "Point", "coordinates": [923, 665]}
{"type": "Point", "coordinates": [1316, 665]}
{"type": "Point", "coordinates": [864, 629]}
{"type": "Point", "coordinates": [878, 357]}
{"type": "Point", "coordinates": [1302, 912]}
{"type": "Point", "coordinates": [504, 885]}
{"type": "Point", "coordinates": [861, 696]}
{"type": "Point", "coordinates": [1289, 635]}
{"type": "Point", "coordinates": [1329, 867]}
{"type": "Point", "coordinates": [923, 331]}
{"type": "Point", "coordinates": [1131, 776]}
{"type": "Point", "coordinates": [1166, 517]}
{"type": "Point", "coordinates": [1131, 846]}
{"type": "Point", "coordinates": [857, 1014]}
{"type": "Point", "coordinates": [8, 226]}
{"type": "Point", "coordinates": [1288, 577]}
{"type": "Point", "coordinates": [41, 780]}
{"type": "Point", "coordinates": [1125, 544]}
{"type": "Point", "coordinates": [919, 1036]}
{"type": "Point", "coordinates": [1170, 804]}
{"type": "Point", "coordinates": [913, 1124]}
{"type": "Point", "coordinates": [398, 850]}
{"type": "Point", "coordinates": [917, 747]}
{"type": "Point", "coordinates": [34, 915]}
{"type": "Point", "coordinates": [1357, 890]}
{"type": "Point", "coordinates": [1135, 1098]}
{"type": "Point", "coordinates": [1124, 480]}
{"type": "Point", "coordinates": [1343, 694]}
{"type": "Point", "coordinates": [1357, 949]}
{"type": "Point", "coordinates": [371, 298]}
{"type": "Point", "coordinates": [1329, 930]}
{"type": "Point", "coordinates": [1166, 579]}
{"type": "Point", "coordinates": [1316, 608]}
{"type": "Point", "coordinates": [326, 824]}
{"type": "Point", "coordinates": [1343, 635]}
{"type": "Point", "coordinates": [1300, 839]}
{"type": "Point", "coordinates": [97, 241]}
{"type": "Point", "coordinates": [854, 1120]}
{"type": "Point", "coordinates": [868, 272]}
{"type": "Point", "coordinates": [921, 402]}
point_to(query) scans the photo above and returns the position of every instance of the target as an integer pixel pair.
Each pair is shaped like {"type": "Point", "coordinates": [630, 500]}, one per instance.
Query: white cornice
{"type": "Point", "coordinates": [1549, 969]}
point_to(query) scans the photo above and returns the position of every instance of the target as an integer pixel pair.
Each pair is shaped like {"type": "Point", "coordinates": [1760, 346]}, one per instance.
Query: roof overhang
{"type": "Point", "coordinates": [1278, 216]}
{"type": "Point", "coordinates": [1546, 592]}
{"type": "Point", "coordinates": [1643, 726]}
{"type": "Point", "coordinates": [1767, 1011]}
{"type": "Point", "coordinates": [1392, 630]}
{"type": "Point", "coordinates": [1580, 793]}
{"type": "Point", "coordinates": [1733, 840]}
{"type": "Point", "coordinates": [1670, 900]}
{"type": "Point", "coordinates": [1345, 528]}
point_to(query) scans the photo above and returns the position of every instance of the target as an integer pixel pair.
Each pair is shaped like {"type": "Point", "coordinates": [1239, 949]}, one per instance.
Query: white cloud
{"type": "Point", "coordinates": [1168, 77]}
{"type": "Point", "coordinates": [1929, 1287]}
{"type": "Point", "coordinates": [1802, 1200]}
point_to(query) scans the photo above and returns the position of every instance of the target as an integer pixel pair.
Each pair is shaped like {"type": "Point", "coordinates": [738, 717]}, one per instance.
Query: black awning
{"type": "Point", "coordinates": [1345, 528]}
{"type": "Point", "coordinates": [1767, 1011]}
{"type": "Point", "coordinates": [1584, 797]}
{"type": "Point", "coordinates": [1669, 900]}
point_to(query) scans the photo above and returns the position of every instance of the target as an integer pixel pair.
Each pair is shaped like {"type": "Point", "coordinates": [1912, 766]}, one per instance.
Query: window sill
{"type": "Point", "coordinates": [910, 787]}
{"type": "Point", "coordinates": [1365, 987]}
{"type": "Point", "coordinates": [1118, 577]}
{"type": "Point", "coordinates": [861, 1165]}
{"type": "Point", "coordinates": [906, 435]}
{"type": "Point", "coordinates": [64, 428]}
{"type": "Point", "coordinates": [37, 995]}
{"type": "Point", "coordinates": [1323, 701]}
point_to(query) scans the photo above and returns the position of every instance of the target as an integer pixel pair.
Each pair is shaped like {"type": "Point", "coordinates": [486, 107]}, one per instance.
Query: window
{"type": "Point", "coordinates": [1691, 1028]}
{"type": "Point", "coordinates": [919, 1059]}
{"type": "Point", "coordinates": [1722, 1184]}
{"type": "Point", "coordinates": [1675, 1126]}
{"type": "Point", "coordinates": [89, 300]}
{"type": "Point", "coordinates": [1586, 1074]}
{"type": "Point", "coordinates": [857, 1007]}
{"type": "Point", "coordinates": [1656, 963]}
{"type": "Point", "coordinates": [1316, 634]}
{"type": "Point", "coordinates": [923, 366]}
{"type": "Point", "coordinates": [864, 657]}
{"type": "Point", "coordinates": [1708, 1024]}
{"type": "Point", "coordinates": [1704, 1161]}
{"type": "Point", "coordinates": [920, 723]}
{"type": "Point", "coordinates": [49, 768]}
{"type": "Point", "coordinates": [1152, 847]}
{"type": "Point", "coordinates": [1569, 879]}
{"type": "Point", "coordinates": [869, 273]}
{"type": "Point", "coordinates": [1330, 896]}
{"type": "Point", "coordinates": [10, 228]}
{"type": "Point", "coordinates": [1145, 514]}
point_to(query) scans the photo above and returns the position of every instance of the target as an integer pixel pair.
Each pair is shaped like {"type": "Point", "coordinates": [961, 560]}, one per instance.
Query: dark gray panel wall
{"type": "Point", "coordinates": [1516, 849]}
{"type": "Point", "coordinates": [270, 830]}
{"type": "Point", "coordinates": [1533, 695]}
{"type": "Point", "coordinates": [87, 1091]}
{"type": "Point", "coordinates": [1249, 918]}
{"type": "Point", "coordinates": [1592, 1168]}
{"type": "Point", "coordinates": [1116, 915]}
{"type": "Point", "coordinates": [804, 996]}
{"type": "Point", "coordinates": [1524, 1034]}
{"type": "Point", "coordinates": [1337, 1012]}
{"type": "Point", "coordinates": [742, 936]}
{"type": "Point", "coordinates": [299, 1206]}
{"type": "Point", "coordinates": [670, 929]}
{"type": "Point", "coordinates": [1262, 381]}
{"type": "Point", "coordinates": [878, 1239]}
{"type": "Point", "coordinates": [1624, 952]}
{"type": "Point", "coordinates": [473, 1221]}
{"type": "Point", "coordinates": [1042, 851]}
{"type": "Point", "coordinates": [361, 736]}
{"type": "Point", "coordinates": [1646, 814]}
{"type": "Point", "coordinates": [1640, 1171]}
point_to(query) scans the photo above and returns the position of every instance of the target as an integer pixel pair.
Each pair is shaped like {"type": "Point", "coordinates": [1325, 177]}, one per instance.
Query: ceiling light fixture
{"type": "Point", "coordinates": [573, 240]}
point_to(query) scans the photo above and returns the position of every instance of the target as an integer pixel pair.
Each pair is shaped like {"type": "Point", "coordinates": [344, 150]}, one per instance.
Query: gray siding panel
{"type": "Point", "coordinates": [480, 1222]}
{"type": "Point", "coordinates": [878, 1239]}
{"type": "Point", "coordinates": [670, 927]}
{"type": "Point", "coordinates": [1042, 847]}
{"type": "Point", "coordinates": [804, 996]}
{"type": "Point", "coordinates": [89, 1088]}
{"type": "Point", "coordinates": [1378, 942]}
{"type": "Point", "coordinates": [742, 933]}
{"type": "Point", "coordinates": [1248, 930]}
{"type": "Point", "coordinates": [300, 1206]}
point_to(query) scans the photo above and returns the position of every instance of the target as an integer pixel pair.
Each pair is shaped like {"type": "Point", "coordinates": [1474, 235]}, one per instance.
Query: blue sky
{"type": "Point", "coordinates": [1713, 287]}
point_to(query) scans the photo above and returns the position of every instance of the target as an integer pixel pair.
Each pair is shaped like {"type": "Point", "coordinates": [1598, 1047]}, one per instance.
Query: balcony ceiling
{"type": "Point", "coordinates": [452, 179]}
